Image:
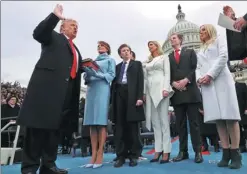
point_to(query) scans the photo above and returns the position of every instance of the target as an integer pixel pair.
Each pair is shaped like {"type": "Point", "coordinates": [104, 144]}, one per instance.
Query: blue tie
{"type": "Point", "coordinates": [121, 72]}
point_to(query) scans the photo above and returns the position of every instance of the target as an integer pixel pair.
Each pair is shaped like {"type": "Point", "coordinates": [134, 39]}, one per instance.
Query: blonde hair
{"type": "Point", "coordinates": [66, 20]}
{"type": "Point", "coordinates": [212, 33]}
{"type": "Point", "coordinates": [160, 51]}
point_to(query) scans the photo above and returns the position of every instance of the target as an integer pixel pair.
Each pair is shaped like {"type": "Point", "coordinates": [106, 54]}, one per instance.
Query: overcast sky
{"type": "Point", "coordinates": [134, 23]}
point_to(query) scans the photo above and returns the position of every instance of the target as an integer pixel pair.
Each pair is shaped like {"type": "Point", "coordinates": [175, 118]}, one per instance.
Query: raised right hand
{"type": "Point", "coordinates": [58, 11]}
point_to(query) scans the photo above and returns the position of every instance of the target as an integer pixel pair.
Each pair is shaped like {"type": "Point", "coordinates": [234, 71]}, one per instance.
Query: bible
{"type": "Point", "coordinates": [88, 62]}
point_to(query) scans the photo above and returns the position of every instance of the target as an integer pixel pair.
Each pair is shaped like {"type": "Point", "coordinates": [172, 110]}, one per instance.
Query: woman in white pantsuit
{"type": "Point", "coordinates": [219, 94]}
{"type": "Point", "coordinates": [157, 92]}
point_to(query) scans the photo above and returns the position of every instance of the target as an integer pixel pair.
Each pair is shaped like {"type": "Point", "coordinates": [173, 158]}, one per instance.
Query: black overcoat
{"type": "Point", "coordinates": [241, 90]}
{"type": "Point", "coordinates": [237, 44]}
{"type": "Point", "coordinates": [135, 80]}
{"type": "Point", "coordinates": [46, 91]}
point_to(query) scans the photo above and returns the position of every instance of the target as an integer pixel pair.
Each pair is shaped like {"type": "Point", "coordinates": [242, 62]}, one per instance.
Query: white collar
{"type": "Point", "coordinates": [127, 62]}
{"type": "Point", "coordinates": [178, 48]}
{"type": "Point", "coordinates": [66, 37]}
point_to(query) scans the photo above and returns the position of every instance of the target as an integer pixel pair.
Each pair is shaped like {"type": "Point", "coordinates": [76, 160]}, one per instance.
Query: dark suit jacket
{"type": "Point", "coordinates": [135, 80]}
{"type": "Point", "coordinates": [245, 17]}
{"type": "Point", "coordinates": [237, 44]}
{"type": "Point", "coordinates": [241, 90]}
{"type": "Point", "coordinates": [47, 88]}
{"type": "Point", "coordinates": [185, 69]}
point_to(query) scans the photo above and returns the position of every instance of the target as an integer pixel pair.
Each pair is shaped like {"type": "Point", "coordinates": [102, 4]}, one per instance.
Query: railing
{"type": "Point", "coordinates": [11, 123]}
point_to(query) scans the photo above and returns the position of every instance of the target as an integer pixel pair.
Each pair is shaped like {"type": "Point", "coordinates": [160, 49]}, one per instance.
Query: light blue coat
{"type": "Point", "coordinates": [98, 90]}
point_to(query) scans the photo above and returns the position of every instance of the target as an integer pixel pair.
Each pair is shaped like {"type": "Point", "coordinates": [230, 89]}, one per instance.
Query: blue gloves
{"type": "Point", "coordinates": [90, 71]}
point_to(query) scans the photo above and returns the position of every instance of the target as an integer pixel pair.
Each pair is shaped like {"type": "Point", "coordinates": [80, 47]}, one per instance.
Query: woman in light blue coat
{"type": "Point", "coordinates": [97, 101]}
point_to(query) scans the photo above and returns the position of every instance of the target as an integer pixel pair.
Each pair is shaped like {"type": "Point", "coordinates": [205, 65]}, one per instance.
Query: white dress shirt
{"type": "Point", "coordinates": [124, 80]}
{"type": "Point", "coordinates": [178, 52]}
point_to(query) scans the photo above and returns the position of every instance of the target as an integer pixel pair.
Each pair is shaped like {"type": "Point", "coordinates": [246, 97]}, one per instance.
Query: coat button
{"type": "Point", "coordinates": [69, 67]}
{"type": "Point", "coordinates": [67, 79]}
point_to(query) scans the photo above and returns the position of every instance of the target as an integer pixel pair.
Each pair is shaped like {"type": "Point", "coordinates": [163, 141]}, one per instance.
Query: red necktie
{"type": "Point", "coordinates": [74, 65]}
{"type": "Point", "coordinates": [177, 56]}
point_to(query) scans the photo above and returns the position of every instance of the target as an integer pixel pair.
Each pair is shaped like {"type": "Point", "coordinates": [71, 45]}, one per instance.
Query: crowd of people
{"type": "Point", "coordinates": [12, 89]}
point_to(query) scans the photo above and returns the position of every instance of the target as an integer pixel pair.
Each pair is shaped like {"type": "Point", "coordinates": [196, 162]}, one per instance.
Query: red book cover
{"type": "Point", "coordinates": [88, 62]}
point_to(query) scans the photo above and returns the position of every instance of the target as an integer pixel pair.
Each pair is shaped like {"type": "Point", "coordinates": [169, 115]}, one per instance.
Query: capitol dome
{"type": "Point", "coordinates": [189, 30]}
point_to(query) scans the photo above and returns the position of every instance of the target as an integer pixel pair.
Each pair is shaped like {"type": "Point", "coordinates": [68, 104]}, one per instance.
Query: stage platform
{"type": "Point", "coordinates": [75, 165]}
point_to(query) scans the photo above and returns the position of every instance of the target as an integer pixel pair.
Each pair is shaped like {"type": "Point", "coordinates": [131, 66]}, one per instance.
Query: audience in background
{"type": "Point", "coordinates": [9, 89]}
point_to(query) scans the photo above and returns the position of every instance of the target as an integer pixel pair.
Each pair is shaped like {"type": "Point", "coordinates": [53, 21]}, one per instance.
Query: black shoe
{"type": "Point", "coordinates": [115, 159]}
{"type": "Point", "coordinates": [165, 161]}
{"type": "Point", "coordinates": [236, 159]}
{"type": "Point", "coordinates": [198, 157]}
{"type": "Point", "coordinates": [52, 170]}
{"type": "Point", "coordinates": [119, 163]}
{"type": "Point", "coordinates": [156, 159]}
{"type": "Point", "coordinates": [225, 158]}
{"type": "Point", "coordinates": [133, 162]}
{"type": "Point", "coordinates": [181, 156]}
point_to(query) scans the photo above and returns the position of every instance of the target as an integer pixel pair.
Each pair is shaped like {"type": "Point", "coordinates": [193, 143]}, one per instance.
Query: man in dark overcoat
{"type": "Point", "coordinates": [53, 93]}
{"type": "Point", "coordinates": [241, 90]}
{"type": "Point", "coordinates": [127, 107]}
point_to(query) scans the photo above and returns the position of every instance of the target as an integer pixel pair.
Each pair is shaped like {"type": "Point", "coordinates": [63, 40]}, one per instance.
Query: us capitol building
{"type": "Point", "coordinates": [191, 39]}
{"type": "Point", "coordinates": [190, 32]}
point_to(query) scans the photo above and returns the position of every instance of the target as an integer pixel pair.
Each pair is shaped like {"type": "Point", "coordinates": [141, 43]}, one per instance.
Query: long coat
{"type": "Point", "coordinates": [43, 104]}
{"type": "Point", "coordinates": [241, 90]}
{"type": "Point", "coordinates": [237, 44]}
{"type": "Point", "coordinates": [135, 80]}
{"type": "Point", "coordinates": [98, 92]}
{"type": "Point", "coordinates": [157, 78]}
{"type": "Point", "coordinates": [219, 97]}
{"type": "Point", "coordinates": [185, 69]}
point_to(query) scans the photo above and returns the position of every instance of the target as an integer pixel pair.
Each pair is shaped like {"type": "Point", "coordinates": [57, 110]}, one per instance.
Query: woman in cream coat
{"type": "Point", "coordinates": [219, 94]}
{"type": "Point", "coordinates": [157, 92]}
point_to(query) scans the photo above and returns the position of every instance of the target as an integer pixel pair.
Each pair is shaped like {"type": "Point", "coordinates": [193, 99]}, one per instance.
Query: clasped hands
{"type": "Point", "coordinates": [206, 80]}
{"type": "Point", "coordinates": [181, 84]}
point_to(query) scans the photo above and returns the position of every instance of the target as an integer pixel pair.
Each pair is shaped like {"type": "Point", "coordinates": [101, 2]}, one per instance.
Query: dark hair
{"type": "Point", "coordinates": [10, 97]}
{"type": "Point", "coordinates": [180, 36]}
{"type": "Point", "coordinates": [106, 45]}
{"type": "Point", "coordinates": [133, 54]}
{"type": "Point", "coordinates": [121, 47]}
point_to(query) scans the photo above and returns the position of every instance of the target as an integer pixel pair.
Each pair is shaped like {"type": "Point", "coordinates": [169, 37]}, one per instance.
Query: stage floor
{"type": "Point", "coordinates": [75, 165]}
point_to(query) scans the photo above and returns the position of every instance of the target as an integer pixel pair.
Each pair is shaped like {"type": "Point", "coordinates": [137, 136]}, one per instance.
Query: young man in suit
{"type": "Point", "coordinates": [186, 99]}
{"type": "Point", "coordinates": [52, 98]}
{"type": "Point", "coordinates": [127, 107]}
{"type": "Point", "coordinates": [133, 57]}
{"type": "Point", "coordinates": [241, 90]}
